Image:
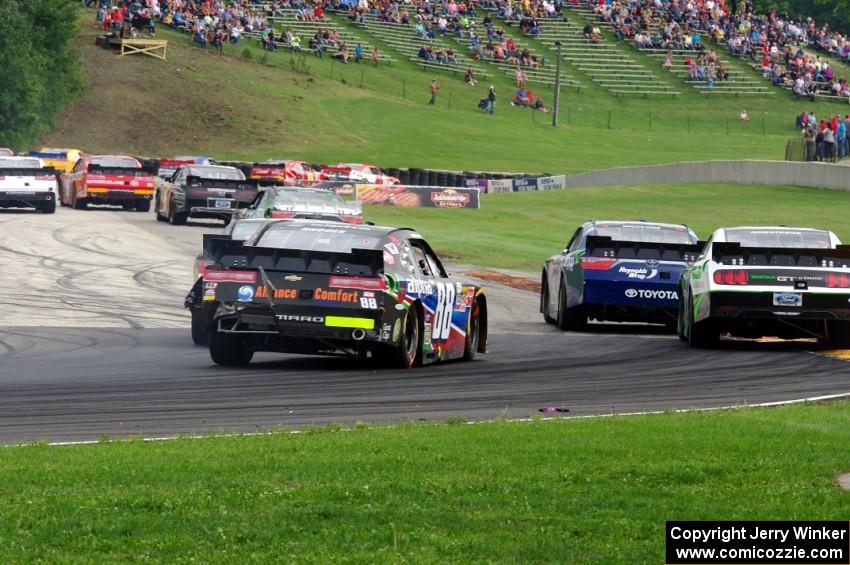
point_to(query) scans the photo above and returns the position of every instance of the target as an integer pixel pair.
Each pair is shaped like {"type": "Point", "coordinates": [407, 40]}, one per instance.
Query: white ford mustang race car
{"type": "Point", "coordinates": [767, 281]}
{"type": "Point", "coordinates": [26, 183]}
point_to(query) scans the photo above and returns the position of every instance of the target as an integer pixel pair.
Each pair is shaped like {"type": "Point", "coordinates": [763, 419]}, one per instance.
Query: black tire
{"type": "Point", "coordinates": [574, 318]}
{"type": "Point", "coordinates": [48, 206]}
{"type": "Point", "coordinates": [544, 301]}
{"type": "Point", "coordinates": [80, 204]}
{"type": "Point", "coordinates": [200, 328]}
{"type": "Point", "coordinates": [839, 335]}
{"type": "Point", "coordinates": [680, 319]}
{"type": "Point", "coordinates": [159, 217]}
{"type": "Point", "coordinates": [143, 206]}
{"type": "Point", "coordinates": [473, 331]}
{"type": "Point", "coordinates": [701, 334]}
{"type": "Point", "coordinates": [229, 350]}
{"type": "Point", "coordinates": [175, 218]}
{"type": "Point", "coordinates": [408, 351]}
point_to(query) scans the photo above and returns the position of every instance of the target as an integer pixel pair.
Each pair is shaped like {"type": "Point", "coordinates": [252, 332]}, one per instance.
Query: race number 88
{"type": "Point", "coordinates": [443, 312]}
{"type": "Point", "coordinates": [370, 303]}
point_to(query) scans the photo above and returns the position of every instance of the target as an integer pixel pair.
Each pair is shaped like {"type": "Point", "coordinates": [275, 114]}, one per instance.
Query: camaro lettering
{"type": "Point", "coordinates": [652, 294]}
{"type": "Point", "coordinates": [308, 319]}
{"type": "Point", "coordinates": [638, 273]}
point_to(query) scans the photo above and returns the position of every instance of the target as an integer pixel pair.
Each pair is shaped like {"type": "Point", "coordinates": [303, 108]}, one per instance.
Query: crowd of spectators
{"type": "Point", "coordinates": [826, 140]}
{"type": "Point", "coordinates": [786, 50]}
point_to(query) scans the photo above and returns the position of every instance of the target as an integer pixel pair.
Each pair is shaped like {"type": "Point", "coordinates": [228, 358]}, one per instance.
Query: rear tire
{"type": "Point", "coordinates": [143, 206]}
{"type": "Point", "coordinates": [175, 218]}
{"type": "Point", "coordinates": [156, 207]}
{"type": "Point", "coordinates": [680, 319]}
{"type": "Point", "coordinates": [701, 334]}
{"type": "Point", "coordinates": [574, 318]}
{"type": "Point", "coordinates": [839, 335]}
{"type": "Point", "coordinates": [407, 352]}
{"type": "Point", "coordinates": [544, 301]}
{"type": "Point", "coordinates": [229, 350]}
{"type": "Point", "coordinates": [80, 204]}
{"type": "Point", "coordinates": [48, 206]}
{"type": "Point", "coordinates": [473, 331]}
{"type": "Point", "coordinates": [200, 328]}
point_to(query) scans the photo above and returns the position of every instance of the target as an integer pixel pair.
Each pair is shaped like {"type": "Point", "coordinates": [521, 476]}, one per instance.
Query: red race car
{"type": "Point", "coordinates": [107, 179]}
{"type": "Point", "coordinates": [358, 172]}
{"type": "Point", "coordinates": [288, 172]}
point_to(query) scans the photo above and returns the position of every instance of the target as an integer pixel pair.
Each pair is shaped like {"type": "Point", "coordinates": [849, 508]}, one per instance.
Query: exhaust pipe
{"type": "Point", "coordinates": [358, 334]}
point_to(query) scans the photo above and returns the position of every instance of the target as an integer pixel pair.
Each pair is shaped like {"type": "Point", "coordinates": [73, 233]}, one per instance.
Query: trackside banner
{"type": "Point", "coordinates": [418, 196]}
{"type": "Point", "coordinates": [757, 543]}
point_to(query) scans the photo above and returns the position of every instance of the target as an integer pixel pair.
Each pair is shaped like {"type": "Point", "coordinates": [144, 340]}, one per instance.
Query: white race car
{"type": "Point", "coordinates": [26, 183]}
{"type": "Point", "coordinates": [774, 281]}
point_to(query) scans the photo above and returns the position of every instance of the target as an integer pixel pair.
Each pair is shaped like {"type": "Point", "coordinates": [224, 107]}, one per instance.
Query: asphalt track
{"type": "Point", "coordinates": [93, 342]}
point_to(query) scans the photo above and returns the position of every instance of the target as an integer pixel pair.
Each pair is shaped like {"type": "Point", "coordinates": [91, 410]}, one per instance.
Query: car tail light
{"type": "Point", "coordinates": [359, 283]}
{"type": "Point", "coordinates": [231, 276]}
{"type": "Point", "coordinates": [279, 215]}
{"type": "Point", "coordinates": [597, 263]}
{"type": "Point", "coordinates": [730, 276]}
{"type": "Point", "coordinates": [351, 219]}
{"type": "Point", "coordinates": [837, 280]}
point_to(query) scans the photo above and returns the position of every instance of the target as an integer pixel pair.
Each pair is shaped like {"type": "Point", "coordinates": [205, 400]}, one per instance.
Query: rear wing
{"type": "Point", "coordinates": [119, 171]}
{"type": "Point", "coordinates": [198, 182]}
{"type": "Point", "coordinates": [605, 246]}
{"type": "Point", "coordinates": [209, 238]}
{"type": "Point", "coordinates": [230, 254]}
{"type": "Point", "coordinates": [729, 253]}
{"type": "Point", "coordinates": [27, 172]}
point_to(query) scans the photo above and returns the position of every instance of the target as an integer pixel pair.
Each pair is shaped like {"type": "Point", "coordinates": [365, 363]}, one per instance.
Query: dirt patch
{"type": "Point", "coordinates": [512, 281]}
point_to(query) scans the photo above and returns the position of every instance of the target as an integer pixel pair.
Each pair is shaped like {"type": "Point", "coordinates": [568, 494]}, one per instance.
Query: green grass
{"type": "Point", "coordinates": [582, 491]}
{"type": "Point", "coordinates": [302, 107]}
{"type": "Point", "coordinates": [519, 230]}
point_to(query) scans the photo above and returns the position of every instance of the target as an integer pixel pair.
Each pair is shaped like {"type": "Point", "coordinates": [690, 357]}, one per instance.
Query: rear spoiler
{"type": "Point", "coordinates": [605, 246]}
{"type": "Point", "coordinates": [27, 171]}
{"type": "Point", "coordinates": [732, 253]}
{"type": "Point", "coordinates": [230, 254]}
{"type": "Point", "coordinates": [198, 182]}
{"type": "Point", "coordinates": [209, 238]}
{"type": "Point", "coordinates": [117, 171]}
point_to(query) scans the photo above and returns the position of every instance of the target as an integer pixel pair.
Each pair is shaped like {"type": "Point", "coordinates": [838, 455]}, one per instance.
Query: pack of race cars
{"type": "Point", "coordinates": [297, 270]}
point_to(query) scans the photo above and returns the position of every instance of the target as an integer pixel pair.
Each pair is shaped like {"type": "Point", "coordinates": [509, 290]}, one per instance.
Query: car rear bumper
{"type": "Point", "coordinates": [631, 293]}
{"type": "Point", "coordinates": [111, 194]}
{"type": "Point", "coordinates": [760, 306]}
{"type": "Point", "coordinates": [22, 198]}
{"type": "Point", "coordinates": [332, 324]}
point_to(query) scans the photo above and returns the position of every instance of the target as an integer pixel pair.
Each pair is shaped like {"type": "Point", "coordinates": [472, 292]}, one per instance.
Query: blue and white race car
{"type": "Point", "coordinates": [619, 271]}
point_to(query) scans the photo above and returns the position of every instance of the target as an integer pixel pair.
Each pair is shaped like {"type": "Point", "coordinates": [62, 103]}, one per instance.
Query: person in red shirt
{"type": "Point", "coordinates": [319, 12]}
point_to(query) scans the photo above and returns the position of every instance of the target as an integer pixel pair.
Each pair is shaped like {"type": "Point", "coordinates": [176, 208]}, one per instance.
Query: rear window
{"type": "Point", "coordinates": [317, 237]}
{"type": "Point", "coordinates": [304, 198]}
{"type": "Point", "coordinates": [650, 233]}
{"type": "Point", "coordinates": [19, 163]}
{"type": "Point", "coordinates": [796, 239]}
{"type": "Point", "coordinates": [215, 173]}
{"type": "Point", "coordinates": [115, 162]}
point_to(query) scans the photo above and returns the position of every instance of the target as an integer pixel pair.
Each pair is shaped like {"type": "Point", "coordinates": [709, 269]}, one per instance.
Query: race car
{"type": "Point", "coordinates": [357, 172]}
{"type": "Point", "coordinates": [776, 281]}
{"type": "Point", "coordinates": [288, 172]}
{"type": "Point", "coordinates": [167, 167]}
{"type": "Point", "coordinates": [115, 180]}
{"type": "Point", "coordinates": [6, 152]}
{"type": "Point", "coordinates": [313, 287]}
{"type": "Point", "coordinates": [202, 310]}
{"type": "Point", "coordinates": [203, 191]}
{"type": "Point", "coordinates": [26, 183]}
{"type": "Point", "coordinates": [617, 271]}
{"type": "Point", "coordinates": [63, 160]}
{"type": "Point", "coordinates": [296, 202]}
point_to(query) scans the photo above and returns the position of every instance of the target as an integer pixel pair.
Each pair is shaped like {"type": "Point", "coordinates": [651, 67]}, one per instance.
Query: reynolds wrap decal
{"type": "Point", "coordinates": [634, 272]}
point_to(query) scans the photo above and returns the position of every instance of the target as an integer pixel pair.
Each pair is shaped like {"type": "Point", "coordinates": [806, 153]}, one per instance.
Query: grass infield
{"type": "Point", "coordinates": [519, 230]}
{"type": "Point", "coordinates": [580, 491]}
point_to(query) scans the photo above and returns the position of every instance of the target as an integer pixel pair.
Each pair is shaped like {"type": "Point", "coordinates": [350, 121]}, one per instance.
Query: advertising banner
{"type": "Point", "coordinates": [525, 185]}
{"type": "Point", "coordinates": [552, 183]}
{"type": "Point", "coordinates": [503, 185]}
{"type": "Point", "coordinates": [418, 196]}
{"type": "Point", "coordinates": [480, 184]}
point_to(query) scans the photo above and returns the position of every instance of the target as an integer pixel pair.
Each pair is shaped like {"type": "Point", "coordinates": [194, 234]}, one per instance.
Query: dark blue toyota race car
{"type": "Point", "coordinates": [619, 272]}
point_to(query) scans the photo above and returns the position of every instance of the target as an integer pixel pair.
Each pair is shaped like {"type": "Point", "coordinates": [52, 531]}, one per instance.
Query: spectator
{"type": "Point", "coordinates": [744, 116]}
{"type": "Point", "coordinates": [358, 53]}
{"type": "Point", "coordinates": [828, 144]}
{"type": "Point", "coordinates": [491, 100]}
{"type": "Point", "coordinates": [374, 55]}
{"type": "Point", "coordinates": [469, 77]}
{"type": "Point", "coordinates": [809, 140]}
{"type": "Point", "coordinates": [433, 88]}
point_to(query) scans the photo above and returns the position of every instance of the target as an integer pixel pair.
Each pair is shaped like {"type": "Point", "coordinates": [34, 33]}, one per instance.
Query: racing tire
{"type": "Point", "coordinates": [159, 216]}
{"type": "Point", "coordinates": [48, 206]}
{"type": "Point", "coordinates": [473, 331]}
{"type": "Point", "coordinates": [200, 335]}
{"type": "Point", "coordinates": [79, 204]}
{"type": "Point", "coordinates": [544, 302]}
{"type": "Point", "coordinates": [175, 218]}
{"type": "Point", "coordinates": [680, 319]}
{"type": "Point", "coordinates": [229, 350]}
{"type": "Point", "coordinates": [574, 318]}
{"type": "Point", "coordinates": [143, 205]}
{"type": "Point", "coordinates": [408, 351]}
{"type": "Point", "coordinates": [839, 335]}
{"type": "Point", "coordinates": [701, 334]}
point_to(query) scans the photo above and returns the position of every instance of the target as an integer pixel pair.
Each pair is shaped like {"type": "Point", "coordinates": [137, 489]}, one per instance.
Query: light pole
{"type": "Point", "coordinates": [557, 86]}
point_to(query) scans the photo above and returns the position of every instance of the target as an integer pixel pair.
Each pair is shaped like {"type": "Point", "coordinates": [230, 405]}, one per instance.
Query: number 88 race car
{"type": "Point", "coordinates": [318, 287]}
{"type": "Point", "coordinates": [767, 281]}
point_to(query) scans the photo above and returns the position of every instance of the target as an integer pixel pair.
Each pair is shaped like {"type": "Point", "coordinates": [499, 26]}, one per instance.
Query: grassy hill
{"type": "Point", "coordinates": [288, 106]}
